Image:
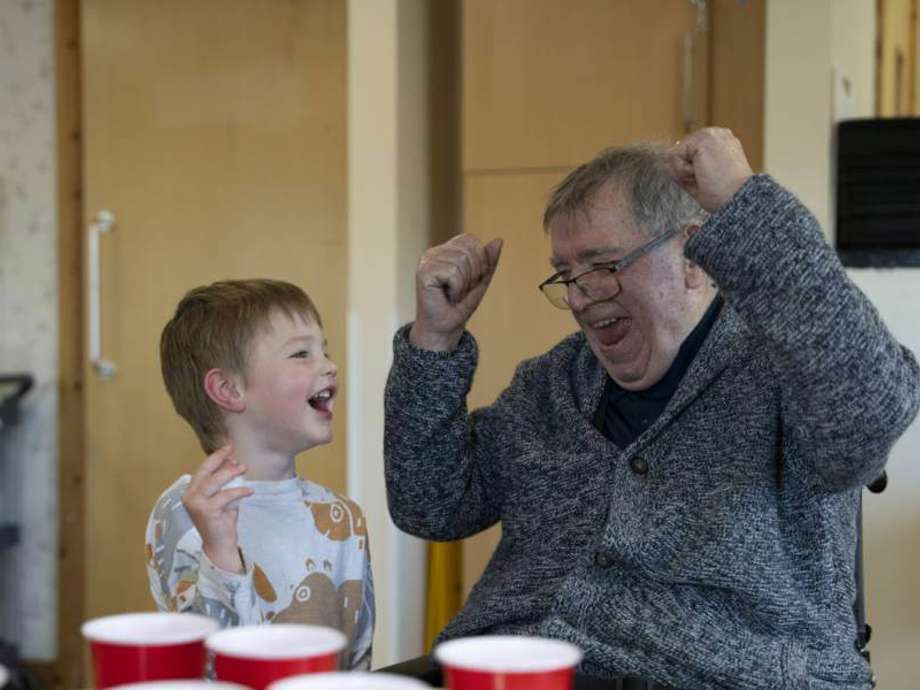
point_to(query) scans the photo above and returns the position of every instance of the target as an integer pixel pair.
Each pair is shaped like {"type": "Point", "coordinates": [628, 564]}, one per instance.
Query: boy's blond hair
{"type": "Point", "coordinates": [213, 328]}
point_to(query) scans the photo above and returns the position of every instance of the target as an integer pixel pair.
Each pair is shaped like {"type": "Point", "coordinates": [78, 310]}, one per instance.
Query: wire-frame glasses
{"type": "Point", "coordinates": [599, 282]}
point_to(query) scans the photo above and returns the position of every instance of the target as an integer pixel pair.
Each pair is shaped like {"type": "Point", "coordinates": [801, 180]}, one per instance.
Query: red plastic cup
{"type": "Point", "coordinates": [257, 655]}
{"type": "Point", "coordinates": [133, 647]}
{"type": "Point", "coordinates": [355, 680]}
{"type": "Point", "coordinates": [509, 662]}
{"type": "Point", "coordinates": [180, 685]}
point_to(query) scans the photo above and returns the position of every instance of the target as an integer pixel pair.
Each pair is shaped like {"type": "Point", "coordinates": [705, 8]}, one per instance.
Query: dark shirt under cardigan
{"type": "Point", "coordinates": [623, 415]}
{"type": "Point", "coordinates": [725, 558]}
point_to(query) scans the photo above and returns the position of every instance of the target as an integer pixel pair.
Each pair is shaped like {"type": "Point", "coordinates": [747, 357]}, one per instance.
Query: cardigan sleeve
{"type": "Point", "coordinates": [444, 465]}
{"type": "Point", "coordinates": [849, 389]}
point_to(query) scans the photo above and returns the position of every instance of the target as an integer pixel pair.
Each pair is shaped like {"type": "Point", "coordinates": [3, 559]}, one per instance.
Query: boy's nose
{"type": "Point", "coordinates": [331, 369]}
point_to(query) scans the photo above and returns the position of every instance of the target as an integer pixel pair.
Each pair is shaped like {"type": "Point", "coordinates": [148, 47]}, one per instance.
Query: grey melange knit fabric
{"type": "Point", "coordinates": [730, 562]}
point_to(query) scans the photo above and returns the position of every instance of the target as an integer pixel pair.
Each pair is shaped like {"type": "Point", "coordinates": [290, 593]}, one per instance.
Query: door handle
{"type": "Point", "coordinates": [102, 224]}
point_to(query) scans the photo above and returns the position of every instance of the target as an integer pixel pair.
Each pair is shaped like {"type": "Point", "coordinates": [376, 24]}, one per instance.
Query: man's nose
{"type": "Point", "coordinates": [577, 298]}
{"type": "Point", "coordinates": [580, 297]}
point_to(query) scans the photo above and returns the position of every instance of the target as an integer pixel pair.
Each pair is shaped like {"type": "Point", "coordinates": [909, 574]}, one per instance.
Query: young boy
{"type": "Point", "coordinates": [244, 540]}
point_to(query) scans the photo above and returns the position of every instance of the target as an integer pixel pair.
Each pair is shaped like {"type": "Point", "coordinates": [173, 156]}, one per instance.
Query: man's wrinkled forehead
{"type": "Point", "coordinates": [600, 252]}
{"type": "Point", "coordinates": [606, 211]}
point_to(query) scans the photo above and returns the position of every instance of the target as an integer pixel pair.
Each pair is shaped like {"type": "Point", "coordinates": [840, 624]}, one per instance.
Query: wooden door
{"type": "Point", "coordinates": [546, 85]}
{"type": "Point", "coordinates": [215, 132]}
{"type": "Point", "coordinates": [549, 83]}
{"type": "Point", "coordinates": [896, 58]}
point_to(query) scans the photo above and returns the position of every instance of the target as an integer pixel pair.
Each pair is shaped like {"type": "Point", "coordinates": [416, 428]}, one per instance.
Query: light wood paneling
{"type": "Point", "coordinates": [738, 70]}
{"type": "Point", "coordinates": [549, 83]}
{"type": "Point", "coordinates": [511, 207]}
{"type": "Point", "coordinates": [896, 82]}
{"type": "Point", "coordinates": [215, 132]}
{"type": "Point", "coordinates": [514, 321]}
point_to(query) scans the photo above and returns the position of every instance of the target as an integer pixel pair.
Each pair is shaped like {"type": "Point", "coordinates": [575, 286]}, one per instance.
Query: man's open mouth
{"type": "Point", "coordinates": [611, 331]}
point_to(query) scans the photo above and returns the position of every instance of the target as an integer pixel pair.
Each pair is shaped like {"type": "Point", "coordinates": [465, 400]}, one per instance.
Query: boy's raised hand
{"type": "Point", "coordinates": [214, 510]}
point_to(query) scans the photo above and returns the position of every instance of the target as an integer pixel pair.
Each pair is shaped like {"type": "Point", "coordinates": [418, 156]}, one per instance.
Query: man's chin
{"type": "Point", "coordinates": [621, 366]}
{"type": "Point", "coordinates": [629, 375]}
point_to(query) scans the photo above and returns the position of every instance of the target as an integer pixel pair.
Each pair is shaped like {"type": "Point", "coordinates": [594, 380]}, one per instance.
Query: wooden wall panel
{"type": "Point", "coordinates": [514, 321]}
{"type": "Point", "coordinates": [215, 131]}
{"type": "Point", "coordinates": [549, 83]}
{"type": "Point", "coordinates": [738, 71]}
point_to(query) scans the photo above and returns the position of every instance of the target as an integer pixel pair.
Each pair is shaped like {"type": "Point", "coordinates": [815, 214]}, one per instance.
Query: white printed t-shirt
{"type": "Point", "coordinates": [306, 555]}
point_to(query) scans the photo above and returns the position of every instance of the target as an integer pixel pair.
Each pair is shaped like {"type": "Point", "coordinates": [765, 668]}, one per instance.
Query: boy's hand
{"type": "Point", "coordinates": [214, 510]}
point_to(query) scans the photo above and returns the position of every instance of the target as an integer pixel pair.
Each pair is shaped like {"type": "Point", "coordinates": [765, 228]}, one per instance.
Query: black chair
{"type": "Point", "coordinates": [863, 629]}
{"type": "Point", "coordinates": [13, 388]}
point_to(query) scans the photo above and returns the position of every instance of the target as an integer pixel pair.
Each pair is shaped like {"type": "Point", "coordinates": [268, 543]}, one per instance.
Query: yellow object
{"type": "Point", "coordinates": [444, 593]}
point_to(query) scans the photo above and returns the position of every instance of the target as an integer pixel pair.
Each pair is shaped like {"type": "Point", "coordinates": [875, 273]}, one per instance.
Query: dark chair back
{"type": "Point", "coordinates": [863, 629]}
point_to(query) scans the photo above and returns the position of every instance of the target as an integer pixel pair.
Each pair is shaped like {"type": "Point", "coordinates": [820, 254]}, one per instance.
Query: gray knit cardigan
{"type": "Point", "coordinates": [729, 562]}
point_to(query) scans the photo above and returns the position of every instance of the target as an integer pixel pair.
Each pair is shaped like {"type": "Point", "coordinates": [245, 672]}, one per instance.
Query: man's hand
{"type": "Point", "coordinates": [710, 165]}
{"type": "Point", "coordinates": [214, 510]}
{"type": "Point", "coordinates": [450, 282]}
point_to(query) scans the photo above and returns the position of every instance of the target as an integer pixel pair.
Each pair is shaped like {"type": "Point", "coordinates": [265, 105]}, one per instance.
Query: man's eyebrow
{"type": "Point", "coordinates": [587, 254]}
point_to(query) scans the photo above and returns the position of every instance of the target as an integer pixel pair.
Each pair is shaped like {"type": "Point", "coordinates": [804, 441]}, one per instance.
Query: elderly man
{"type": "Point", "coordinates": [678, 482]}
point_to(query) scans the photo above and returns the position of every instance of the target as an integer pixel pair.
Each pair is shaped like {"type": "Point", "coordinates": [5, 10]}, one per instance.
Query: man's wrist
{"type": "Point", "coordinates": [438, 342]}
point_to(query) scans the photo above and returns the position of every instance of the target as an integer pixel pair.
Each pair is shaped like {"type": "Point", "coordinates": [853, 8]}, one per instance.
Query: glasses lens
{"type": "Point", "coordinates": [598, 284]}
{"type": "Point", "coordinates": [557, 294]}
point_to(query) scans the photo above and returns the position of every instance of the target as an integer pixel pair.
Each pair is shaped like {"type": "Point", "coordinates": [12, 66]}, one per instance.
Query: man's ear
{"type": "Point", "coordinates": [694, 276]}
{"type": "Point", "coordinates": [222, 388]}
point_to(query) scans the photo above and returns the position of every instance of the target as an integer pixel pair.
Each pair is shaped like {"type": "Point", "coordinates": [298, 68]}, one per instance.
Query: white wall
{"type": "Point", "coordinates": [891, 523]}
{"type": "Point", "coordinates": [852, 29]}
{"type": "Point", "coordinates": [798, 99]}
{"type": "Point", "coordinates": [388, 209]}
{"type": "Point", "coordinates": [809, 46]}
{"type": "Point", "coordinates": [28, 321]}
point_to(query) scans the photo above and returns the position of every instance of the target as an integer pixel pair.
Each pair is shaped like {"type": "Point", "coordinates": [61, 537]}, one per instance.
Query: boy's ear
{"type": "Point", "coordinates": [222, 388]}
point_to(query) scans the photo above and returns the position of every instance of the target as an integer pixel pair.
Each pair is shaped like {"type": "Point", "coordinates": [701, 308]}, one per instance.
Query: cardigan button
{"type": "Point", "coordinates": [638, 465]}
{"type": "Point", "coordinates": [602, 560]}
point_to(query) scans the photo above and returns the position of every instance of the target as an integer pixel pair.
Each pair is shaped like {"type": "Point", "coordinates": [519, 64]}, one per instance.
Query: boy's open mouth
{"type": "Point", "coordinates": [322, 401]}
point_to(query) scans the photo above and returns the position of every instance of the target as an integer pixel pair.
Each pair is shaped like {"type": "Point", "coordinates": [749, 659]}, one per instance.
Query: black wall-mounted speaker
{"type": "Point", "coordinates": [878, 192]}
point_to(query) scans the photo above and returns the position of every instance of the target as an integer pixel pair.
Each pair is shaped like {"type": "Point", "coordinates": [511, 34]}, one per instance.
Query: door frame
{"type": "Point", "coordinates": [66, 670]}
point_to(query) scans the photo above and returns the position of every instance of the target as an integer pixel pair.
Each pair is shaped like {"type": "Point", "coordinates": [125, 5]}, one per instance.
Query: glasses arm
{"type": "Point", "coordinates": [644, 249]}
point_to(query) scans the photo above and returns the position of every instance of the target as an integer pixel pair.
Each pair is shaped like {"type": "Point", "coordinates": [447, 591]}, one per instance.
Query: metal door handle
{"type": "Point", "coordinates": [105, 368]}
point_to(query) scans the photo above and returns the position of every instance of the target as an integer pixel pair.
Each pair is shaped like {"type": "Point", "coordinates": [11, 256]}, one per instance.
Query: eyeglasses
{"type": "Point", "coordinates": [600, 282]}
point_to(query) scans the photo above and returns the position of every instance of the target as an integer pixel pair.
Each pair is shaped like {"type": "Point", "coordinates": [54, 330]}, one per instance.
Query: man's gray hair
{"type": "Point", "coordinates": [640, 173]}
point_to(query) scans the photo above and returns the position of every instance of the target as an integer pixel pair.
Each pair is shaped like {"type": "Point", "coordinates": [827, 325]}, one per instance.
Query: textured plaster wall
{"type": "Point", "coordinates": [28, 321]}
